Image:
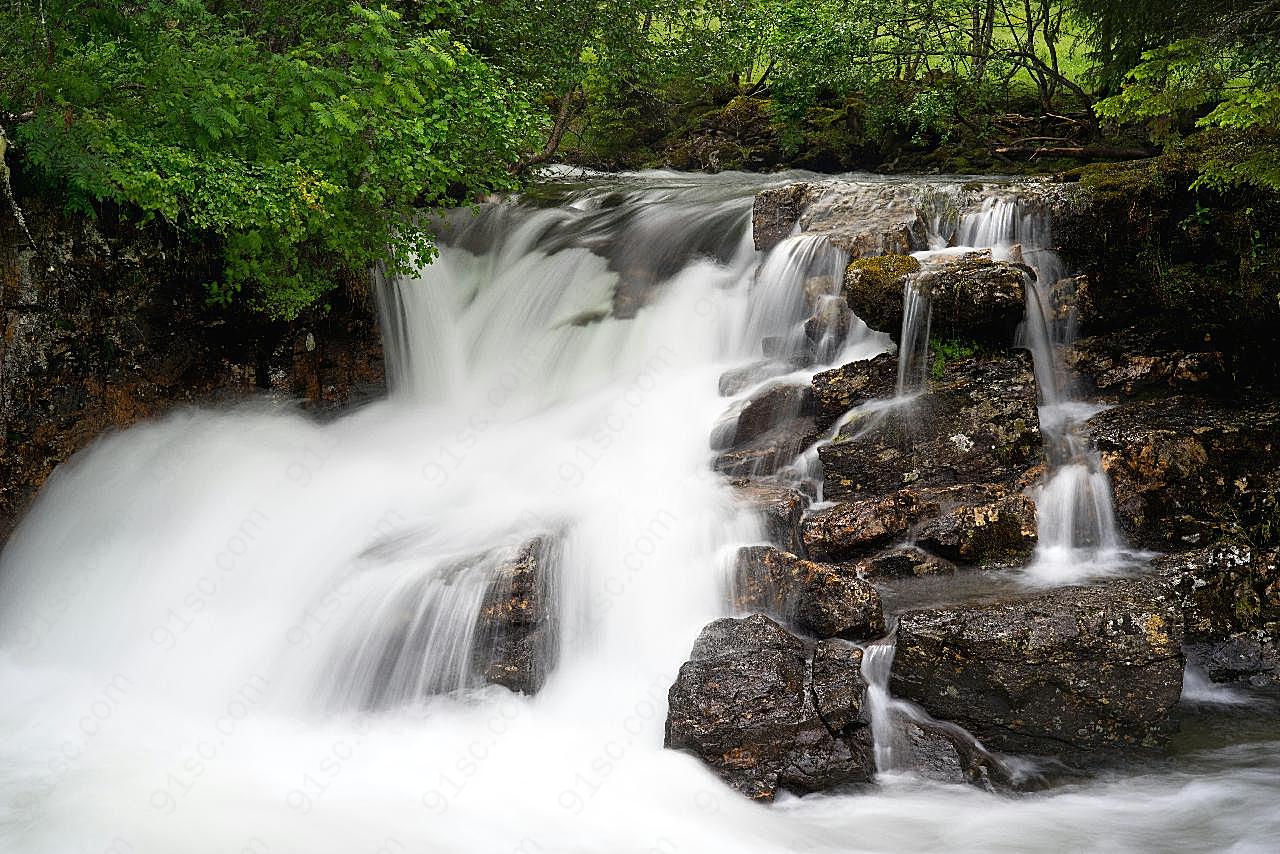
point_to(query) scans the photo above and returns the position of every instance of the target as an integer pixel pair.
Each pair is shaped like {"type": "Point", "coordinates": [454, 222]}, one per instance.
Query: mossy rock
{"type": "Point", "coordinates": [873, 289]}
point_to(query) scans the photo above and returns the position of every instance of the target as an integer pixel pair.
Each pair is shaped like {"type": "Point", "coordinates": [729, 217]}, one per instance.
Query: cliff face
{"type": "Point", "coordinates": [104, 323]}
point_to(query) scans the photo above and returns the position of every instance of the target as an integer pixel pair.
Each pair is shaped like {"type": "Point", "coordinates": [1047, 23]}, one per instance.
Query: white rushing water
{"type": "Point", "coordinates": [243, 631]}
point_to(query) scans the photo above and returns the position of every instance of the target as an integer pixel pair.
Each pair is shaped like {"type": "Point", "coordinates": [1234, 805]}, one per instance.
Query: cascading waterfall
{"type": "Point", "coordinates": [244, 631]}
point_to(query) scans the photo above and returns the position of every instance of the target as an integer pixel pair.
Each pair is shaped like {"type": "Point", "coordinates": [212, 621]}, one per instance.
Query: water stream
{"type": "Point", "coordinates": [241, 630]}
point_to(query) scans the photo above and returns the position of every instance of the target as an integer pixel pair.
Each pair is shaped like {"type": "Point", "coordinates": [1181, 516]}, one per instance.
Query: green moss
{"type": "Point", "coordinates": [882, 271]}
{"type": "Point", "coordinates": [950, 351]}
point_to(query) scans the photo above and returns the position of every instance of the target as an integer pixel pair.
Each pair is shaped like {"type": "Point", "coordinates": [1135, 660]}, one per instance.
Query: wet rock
{"type": "Point", "coordinates": [776, 211]}
{"type": "Point", "coordinates": [771, 408]}
{"type": "Point", "coordinates": [837, 391]}
{"type": "Point", "coordinates": [905, 562]}
{"type": "Point", "coordinates": [754, 704]}
{"type": "Point", "coordinates": [867, 219]}
{"type": "Point", "coordinates": [819, 599]}
{"type": "Point", "coordinates": [1069, 671]}
{"type": "Point", "coordinates": [1132, 362]}
{"type": "Point", "coordinates": [1230, 599]}
{"type": "Point", "coordinates": [1002, 531]}
{"type": "Point", "coordinates": [978, 423]}
{"type": "Point", "coordinates": [940, 752]}
{"type": "Point", "coordinates": [976, 299]}
{"type": "Point", "coordinates": [1190, 472]}
{"type": "Point", "coordinates": [515, 631]}
{"type": "Point", "coordinates": [738, 380]}
{"type": "Point", "coordinates": [851, 530]}
{"type": "Point", "coordinates": [770, 452]}
{"type": "Point", "coordinates": [779, 506]}
{"type": "Point", "coordinates": [973, 298]}
{"type": "Point", "coordinates": [873, 287]}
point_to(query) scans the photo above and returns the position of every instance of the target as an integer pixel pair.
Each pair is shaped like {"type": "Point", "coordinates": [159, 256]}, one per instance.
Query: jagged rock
{"type": "Point", "coordinates": [779, 506]}
{"type": "Point", "coordinates": [776, 211]}
{"type": "Point", "coordinates": [873, 287]}
{"type": "Point", "coordinates": [1131, 362]}
{"type": "Point", "coordinates": [867, 219]}
{"type": "Point", "coordinates": [905, 562]}
{"type": "Point", "coordinates": [1068, 671]}
{"type": "Point", "coordinates": [853, 529]}
{"type": "Point", "coordinates": [515, 632]}
{"type": "Point", "coordinates": [837, 391]}
{"type": "Point", "coordinates": [1190, 472]}
{"type": "Point", "coordinates": [977, 424]}
{"type": "Point", "coordinates": [1230, 598]}
{"type": "Point", "coordinates": [933, 751]}
{"type": "Point", "coordinates": [753, 704]}
{"type": "Point", "coordinates": [820, 599]}
{"type": "Point", "coordinates": [1000, 531]}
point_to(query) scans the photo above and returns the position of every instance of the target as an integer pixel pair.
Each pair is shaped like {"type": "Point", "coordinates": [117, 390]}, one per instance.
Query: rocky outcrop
{"type": "Point", "coordinates": [1189, 472]}
{"type": "Point", "coordinates": [837, 391]}
{"type": "Point", "coordinates": [1133, 362]}
{"type": "Point", "coordinates": [769, 452]}
{"type": "Point", "coordinates": [780, 508]}
{"type": "Point", "coordinates": [972, 298]}
{"type": "Point", "coordinates": [776, 211]}
{"type": "Point", "coordinates": [818, 599]}
{"type": "Point", "coordinates": [770, 408]}
{"type": "Point", "coordinates": [766, 713]}
{"type": "Point", "coordinates": [904, 562]}
{"type": "Point", "coordinates": [515, 632]}
{"type": "Point", "coordinates": [107, 323]}
{"type": "Point", "coordinates": [1070, 671]}
{"type": "Point", "coordinates": [1230, 598]}
{"type": "Point", "coordinates": [978, 423]}
{"type": "Point", "coordinates": [854, 529]}
{"type": "Point", "coordinates": [1002, 531]}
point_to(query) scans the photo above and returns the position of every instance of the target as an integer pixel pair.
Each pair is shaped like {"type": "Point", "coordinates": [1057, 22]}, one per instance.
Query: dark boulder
{"type": "Point", "coordinates": [1001, 531]}
{"type": "Point", "coordinates": [780, 508]}
{"type": "Point", "coordinates": [765, 713]}
{"type": "Point", "coordinates": [776, 211]}
{"type": "Point", "coordinates": [978, 423]}
{"type": "Point", "coordinates": [1132, 362]}
{"type": "Point", "coordinates": [837, 391]}
{"type": "Point", "coordinates": [854, 529]}
{"type": "Point", "coordinates": [873, 287]}
{"type": "Point", "coordinates": [905, 562]}
{"type": "Point", "coordinates": [770, 452]}
{"type": "Point", "coordinates": [1069, 671]}
{"type": "Point", "coordinates": [515, 633]}
{"type": "Point", "coordinates": [771, 408]}
{"type": "Point", "coordinates": [1230, 598]}
{"type": "Point", "coordinates": [819, 599]}
{"type": "Point", "coordinates": [1190, 472]}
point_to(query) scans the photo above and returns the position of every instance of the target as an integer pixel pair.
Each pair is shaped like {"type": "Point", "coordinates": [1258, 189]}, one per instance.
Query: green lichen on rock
{"type": "Point", "coordinates": [873, 288]}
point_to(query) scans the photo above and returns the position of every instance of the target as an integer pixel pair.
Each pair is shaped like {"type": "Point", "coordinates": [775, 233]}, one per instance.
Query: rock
{"type": "Point", "coordinates": [973, 298]}
{"type": "Point", "coordinates": [1190, 472]}
{"type": "Point", "coordinates": [1001, 531]}
{"type": "Point", "coordinates": [1132, 361]}
{"type": "Point", "coordinates": [770, 452]}
{"type": "Point", "coordinates": [779, 506]}
{"type": "Point", "coordinates": [905, 562]}
{"type": "Point", "coordinates": [1230, 598]}
{"type": "Point", "coordinates": [837, 391]}
{"type": "Point", "coordinates": [1069, 671]}
{"type": "Point", "coordinates": [753, 704]}
{"type": "Point", "coordinates": [819, 599]}
{"type": "Point", "coordinates": [873, 287]}
{"type": "Point", "coordinates": [776, 211]}
{"type": "Point", "coordinates": [942, 753]}
{"type": "Point", "coordinates": [738, 380]}
{"type": "Point", "coordinates": [515, 632]}
{"type": "Point", "coordinates": [770, 408]}
{"type": "Point", "coordinates": [866, 219]}
{"type": "Point", "coordinates": [978, 423]}
{"type": "Point", "coordinates": [853, 529]}
{"type": "Point", "coordinates": [976, 299]}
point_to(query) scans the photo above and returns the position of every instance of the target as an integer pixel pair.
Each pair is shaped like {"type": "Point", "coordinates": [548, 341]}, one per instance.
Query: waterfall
{"type": "Point", "coordinates": [1078, 537]}
{"type": "Point", "coordinates": [246, 630]}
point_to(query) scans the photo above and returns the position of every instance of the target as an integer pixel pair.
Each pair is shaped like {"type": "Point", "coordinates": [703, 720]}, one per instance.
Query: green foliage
{"type": "Point", "coordinates": [949, 351]}
{"type": "Point", "coordinates": [307, 162]}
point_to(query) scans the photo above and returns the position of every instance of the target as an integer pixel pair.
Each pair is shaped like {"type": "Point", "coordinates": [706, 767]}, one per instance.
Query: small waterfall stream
{"type": "Point", "coordinates": [241, 630]}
